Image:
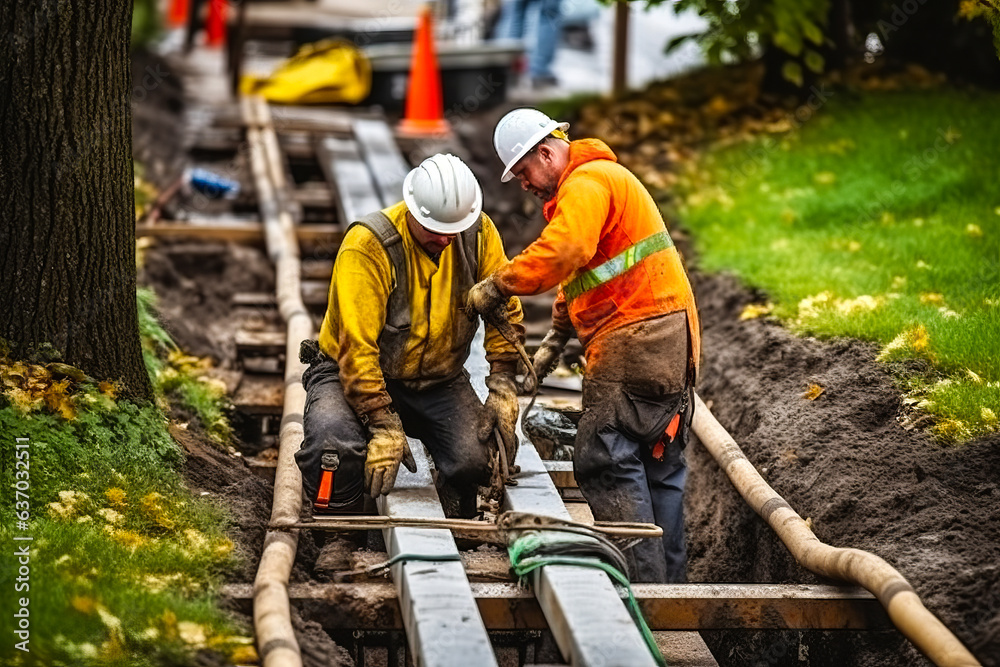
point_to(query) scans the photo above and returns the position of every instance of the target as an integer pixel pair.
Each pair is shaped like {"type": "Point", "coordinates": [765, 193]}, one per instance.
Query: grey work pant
{"type": "Point", "coordinates": [442, 417]}
{"type": "Point", "coordinates": [627, 404]}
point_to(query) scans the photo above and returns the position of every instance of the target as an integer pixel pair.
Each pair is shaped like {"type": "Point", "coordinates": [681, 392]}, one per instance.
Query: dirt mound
{"type": "Point", "coordinates": [195, 283]}
{"type": "Point", "coordinates": [932, 511]}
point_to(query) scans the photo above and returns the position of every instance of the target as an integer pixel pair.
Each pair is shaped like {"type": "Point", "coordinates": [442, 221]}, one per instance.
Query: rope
{"type": "Point", "coordinates": [524, 559]}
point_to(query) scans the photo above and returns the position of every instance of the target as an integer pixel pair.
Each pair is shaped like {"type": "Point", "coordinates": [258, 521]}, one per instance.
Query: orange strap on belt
{"type": "Point", "coordinates": [325, 490]}
{"type": "Point", "coordinates": [669, 433]}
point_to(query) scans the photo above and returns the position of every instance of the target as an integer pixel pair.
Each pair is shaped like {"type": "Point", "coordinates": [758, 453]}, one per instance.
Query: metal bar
{"type": "Point", "coordinates": [382, 154]}
{"type": "Point", "coordinates": [349, 178]}
{"type": "Point", "coordinates": [472, 526]}
{"type": "Point", "coordinates": [443, 625]}
{"type": "Point", "coordinates": [509, 606]}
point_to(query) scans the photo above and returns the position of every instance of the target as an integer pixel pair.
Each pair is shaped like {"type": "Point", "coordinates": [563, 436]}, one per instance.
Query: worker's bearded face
{"type": "Point", "coordinates": [432, 242]}
{"type": "Point", "coordinates": [537, 176]}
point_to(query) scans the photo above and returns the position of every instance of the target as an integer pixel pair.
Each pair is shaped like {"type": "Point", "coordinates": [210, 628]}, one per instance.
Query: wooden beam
{"type": "Point", "coordinates": [315, 238]}
{"type": "Point", "coordinates": [667, 607]}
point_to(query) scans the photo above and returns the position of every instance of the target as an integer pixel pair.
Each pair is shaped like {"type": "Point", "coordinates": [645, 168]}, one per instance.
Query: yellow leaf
{"type": "Point", "coordinates": [813, 392]}
{"type": "Point", "coordinates": [931, 299]}
{"type": "Point", "coordinates": [116, 497]}
{"type": "Point", "coordinates": [974, 231]}
{"type": "Point", "coordinates": [84, 604]}
{"type": "Point", "coordinates": [825, 178]}
{"type": "Point", "coordinates": [754, 310]}
{"type": "Point", "coordinates": [988, 416]}
{"type": "Point", "coordinates": [154, 506]}
{"type": "Point", "coordinates": [973, 376]}
{"type": "Point", "coordinates": [192, 633]}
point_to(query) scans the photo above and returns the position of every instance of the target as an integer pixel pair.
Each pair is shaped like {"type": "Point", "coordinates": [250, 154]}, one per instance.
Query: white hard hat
{"type": "Point", "coordinates": [443, 194]}
{"type": "Point", "coordinates": [518, 132]}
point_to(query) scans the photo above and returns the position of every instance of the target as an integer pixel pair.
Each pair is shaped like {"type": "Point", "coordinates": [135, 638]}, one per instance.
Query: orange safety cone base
{"type": "Point", "coordinates": [409, 127]}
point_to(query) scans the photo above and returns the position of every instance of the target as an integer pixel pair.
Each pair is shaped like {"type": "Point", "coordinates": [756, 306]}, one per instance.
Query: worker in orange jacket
{"type": "Point", "coordinates": [625, 293]}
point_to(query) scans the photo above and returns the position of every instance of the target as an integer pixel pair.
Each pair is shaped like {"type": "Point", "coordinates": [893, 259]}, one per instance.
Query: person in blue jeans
{"type": "Point", "coordinates": [540, 55]}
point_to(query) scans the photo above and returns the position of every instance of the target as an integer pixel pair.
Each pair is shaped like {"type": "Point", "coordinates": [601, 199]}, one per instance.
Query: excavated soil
{"type": "Point", "coordinates": [843, 460]}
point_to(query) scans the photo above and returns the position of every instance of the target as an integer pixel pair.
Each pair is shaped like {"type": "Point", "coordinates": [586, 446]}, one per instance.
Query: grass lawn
{"type": "Point", "coordinates": [878, 218]}
{"type": "Point", "coordinates": [111, 559]}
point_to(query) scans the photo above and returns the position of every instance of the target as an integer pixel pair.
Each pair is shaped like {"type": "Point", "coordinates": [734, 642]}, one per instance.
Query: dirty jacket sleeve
{"type": "Point", "coordinates": [361, 292]}
{"type": "Point", "coordinates": [567, 243]}
{"type": "Point", "coordinates": [492, 258]}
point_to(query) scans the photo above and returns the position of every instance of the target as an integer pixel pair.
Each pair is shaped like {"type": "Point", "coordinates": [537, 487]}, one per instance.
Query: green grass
{"type": "Point", "coordinates": [879, 218]}
{"type": "Point", "coordinates": [125, 563]}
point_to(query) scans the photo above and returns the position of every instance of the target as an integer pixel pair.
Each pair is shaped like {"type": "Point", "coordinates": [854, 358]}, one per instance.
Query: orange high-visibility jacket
{"type": "Point", "coordinates": [607, 247]}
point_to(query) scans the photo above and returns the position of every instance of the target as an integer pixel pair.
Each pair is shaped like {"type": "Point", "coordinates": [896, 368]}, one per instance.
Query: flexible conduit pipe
{"type": "Point", "coordinates": [905, 609]}
{"type": "Point", "coordinates": [276, 641]}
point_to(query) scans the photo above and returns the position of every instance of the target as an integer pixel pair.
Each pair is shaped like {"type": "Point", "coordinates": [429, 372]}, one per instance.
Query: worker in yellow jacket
{"type": "Point", "coordinates": [394, 342]}
{"type": "Point", "coordinates": [624, 293]}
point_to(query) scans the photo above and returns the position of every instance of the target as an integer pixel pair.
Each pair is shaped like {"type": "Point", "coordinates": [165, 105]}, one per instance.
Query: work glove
{"type": "Point", "coordinates": [546, 359]}
{"type": "Point", "coordinates": [500, 413]}
{"type": "Point", "coordinates": [485, 298]}
{"type": "Point", "coordinates": [387, 447]}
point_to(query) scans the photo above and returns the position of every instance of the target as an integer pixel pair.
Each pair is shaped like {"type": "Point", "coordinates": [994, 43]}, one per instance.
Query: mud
{"type": "Point", "coordinates": [843, 460]}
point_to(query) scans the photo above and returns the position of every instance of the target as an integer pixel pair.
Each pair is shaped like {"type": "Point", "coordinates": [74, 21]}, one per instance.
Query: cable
{"type": "Point", "coordinates": [524, 560]}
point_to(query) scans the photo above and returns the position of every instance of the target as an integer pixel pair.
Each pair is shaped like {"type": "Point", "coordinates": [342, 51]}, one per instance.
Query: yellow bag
{"type": "Point", "coordinates": [325, 72]}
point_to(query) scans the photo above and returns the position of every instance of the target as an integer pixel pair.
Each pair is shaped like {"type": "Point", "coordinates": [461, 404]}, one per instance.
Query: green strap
{"type": "Point", "coordinates": [618, 264]}
{"type": "Point", "coordinates": [523, 562]}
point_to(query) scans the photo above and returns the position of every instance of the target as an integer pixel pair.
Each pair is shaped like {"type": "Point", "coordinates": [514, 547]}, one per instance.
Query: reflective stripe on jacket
{"type": "Point", "coordinates": [437, 345]}
{"type": "Point", "coordinates": [601, 213]}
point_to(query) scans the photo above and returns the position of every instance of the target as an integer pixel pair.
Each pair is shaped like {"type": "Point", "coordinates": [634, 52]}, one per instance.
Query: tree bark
{"type": "Point", "coordinates": [67, 230]}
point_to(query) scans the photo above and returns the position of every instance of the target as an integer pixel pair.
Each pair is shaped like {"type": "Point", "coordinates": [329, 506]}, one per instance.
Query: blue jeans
{"type": "Point", "coordinates": [512, 26]}
{"type": "Point", "coordinates": [622, 481]}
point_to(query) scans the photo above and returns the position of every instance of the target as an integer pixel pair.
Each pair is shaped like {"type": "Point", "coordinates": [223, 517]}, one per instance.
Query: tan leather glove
{"type": "Point", "coordinates": [387, 448]}
{"type": "Point", "coordinates": [485, 298]}
{"type": "Point", "coordinates": [500, 412]}
{"type": "Point", "coordinates": [546, 359]}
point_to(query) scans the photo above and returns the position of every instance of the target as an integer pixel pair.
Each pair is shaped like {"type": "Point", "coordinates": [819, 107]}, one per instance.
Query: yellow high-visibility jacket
{"type": "Point", "coordinates": [437, 345]}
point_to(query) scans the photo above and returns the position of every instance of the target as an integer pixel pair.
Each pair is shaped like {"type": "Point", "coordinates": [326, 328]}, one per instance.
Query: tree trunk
{"type": "Point", "coordinates": [67, 240]}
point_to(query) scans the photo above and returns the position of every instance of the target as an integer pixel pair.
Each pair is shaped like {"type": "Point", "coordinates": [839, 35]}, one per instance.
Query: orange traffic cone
{"type": "Point", "coordinates": [177, 15]}
{"type": "Point", "coordinates": [215, 25]}
{"type": "Point", "coordinates": [424, 102]}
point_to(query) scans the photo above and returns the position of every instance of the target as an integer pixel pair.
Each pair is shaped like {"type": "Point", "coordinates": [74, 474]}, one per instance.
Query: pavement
{"type": "Point", "coordinates": [581, 71]}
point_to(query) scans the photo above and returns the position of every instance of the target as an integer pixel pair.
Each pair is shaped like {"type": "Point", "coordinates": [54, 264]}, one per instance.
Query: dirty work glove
{"type": "Point", "coordinates": [546, 359]}
{"type": "Point", "coordinates": [500, 412]}
{"type": "Point", "coordinates": [387, 447]}
{"type": "Point", "coordinates": [485, 298]}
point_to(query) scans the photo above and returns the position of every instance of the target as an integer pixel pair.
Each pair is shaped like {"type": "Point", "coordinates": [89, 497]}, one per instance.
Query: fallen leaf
{"type": "Point", "coordinates": [754, 310]}
{"type": "Point", "coordinates": [813, 392]}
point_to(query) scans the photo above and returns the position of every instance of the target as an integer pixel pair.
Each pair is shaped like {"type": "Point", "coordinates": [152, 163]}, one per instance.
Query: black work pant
{"type": "Point", "coordinates": [442, 417]}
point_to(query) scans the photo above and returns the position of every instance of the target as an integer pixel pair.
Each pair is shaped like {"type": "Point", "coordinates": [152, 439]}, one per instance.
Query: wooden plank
{"type": "Point", "coordinates": [384, 159]}
{"type": "Point", "coordinates": [260, 343]}
{"type": "Point", "coordinates": [323, 237]}
{"type": "Point", "coordinates": [667, 607]}
{"type": "Point", "coordinates": [260, 394]}
{"type": "Point", "coordinates": [354, 191]}
{"type": "Point", "coordinates": [443, 625]}
{"type": "Point", "coordinates": [317, 269]}
{"type": "Point", "coordinates": [314, 294]}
